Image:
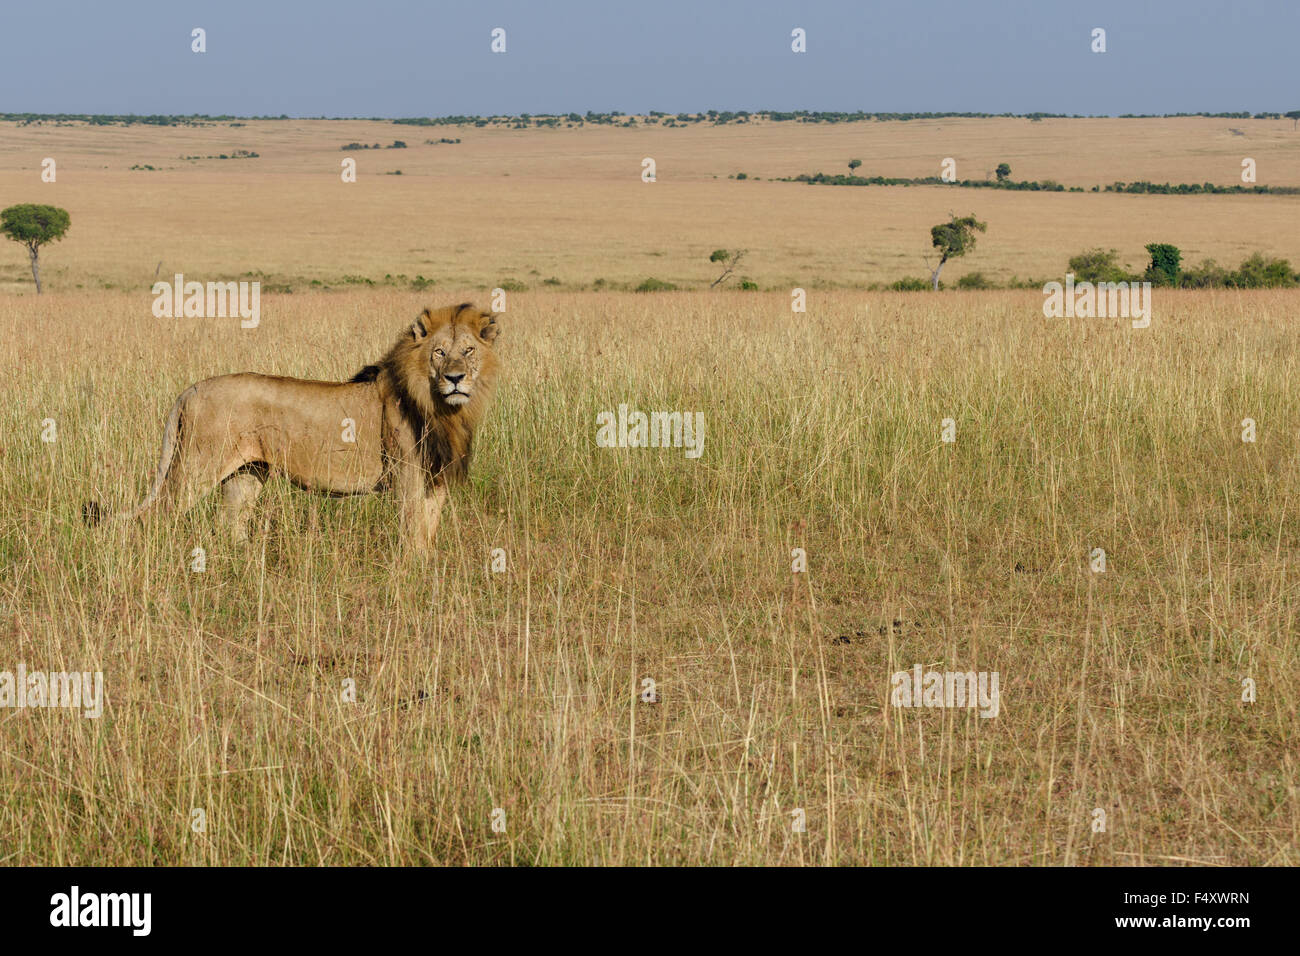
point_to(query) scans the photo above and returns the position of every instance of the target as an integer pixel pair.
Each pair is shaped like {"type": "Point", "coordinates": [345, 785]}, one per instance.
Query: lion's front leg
{"type": "Point", "coordinates": [422, 503]}
{"type": "Point", "coordinates": [433, 502]}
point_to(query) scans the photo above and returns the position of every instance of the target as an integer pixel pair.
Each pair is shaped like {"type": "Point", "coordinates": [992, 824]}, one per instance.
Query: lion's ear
{"type": "Point", "coordinates": [420, 327]}
{"type": "Point", "coordinates": [490, 329]}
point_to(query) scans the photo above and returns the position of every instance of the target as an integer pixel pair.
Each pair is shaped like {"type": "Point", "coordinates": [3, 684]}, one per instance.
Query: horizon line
{"type": "Point", "coordinates": [729, 115]}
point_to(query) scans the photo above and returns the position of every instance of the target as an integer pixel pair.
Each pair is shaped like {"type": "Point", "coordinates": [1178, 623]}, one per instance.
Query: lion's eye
{"type": "Point", "coordinates": [439, 352]}
{"type": "Point", "coordinates": [468, 350]}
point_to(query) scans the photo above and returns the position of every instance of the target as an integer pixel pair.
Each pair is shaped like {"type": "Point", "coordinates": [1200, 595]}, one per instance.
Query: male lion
{"type": "Point", "coordinates": [408, 421]}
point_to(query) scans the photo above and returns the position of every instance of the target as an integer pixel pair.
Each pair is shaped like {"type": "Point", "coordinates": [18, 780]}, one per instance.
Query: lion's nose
{"type": "Point", "coordinates": [454, 379]}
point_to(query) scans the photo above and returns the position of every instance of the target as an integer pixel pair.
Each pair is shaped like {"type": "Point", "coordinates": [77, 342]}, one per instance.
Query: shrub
{"type": "Point", "coordinates": [974, 280]}
{"type": "Point", "coordinates": [748, 285]}
{"type": "Point", "coordinates": [655, 285]}
{"type": "Point", "coordinates": [1097, 265]}
{"type": "Point", "coordinates": [1208, 275]}
{"type": "Point", "coordinates": [512, 285]}
{"type": "Point", "coordinates": [1256, 272]}
{"type": "Point", "coordinates": [911, 284]}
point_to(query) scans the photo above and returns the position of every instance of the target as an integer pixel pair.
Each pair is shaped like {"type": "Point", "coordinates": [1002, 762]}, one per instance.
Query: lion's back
{"type": "Point", "coordinates": [326, 435]}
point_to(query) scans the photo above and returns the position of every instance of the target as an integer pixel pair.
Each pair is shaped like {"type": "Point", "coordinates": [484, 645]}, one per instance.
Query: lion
{"type": "Point", "coordinates": [406, 422]}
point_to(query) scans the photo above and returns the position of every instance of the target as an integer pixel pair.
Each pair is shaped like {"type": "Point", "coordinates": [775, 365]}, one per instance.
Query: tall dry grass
{"type": "Point", "coordinates": [520, 691]}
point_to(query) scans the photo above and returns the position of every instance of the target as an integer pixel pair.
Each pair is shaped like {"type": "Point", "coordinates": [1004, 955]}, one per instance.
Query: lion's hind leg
{"type": "Point", "coordinates": [198, 471]}
{"type": "Point", "coordinates": [192, 463]}
{"type": "Point", "coordinates": [239, 494]}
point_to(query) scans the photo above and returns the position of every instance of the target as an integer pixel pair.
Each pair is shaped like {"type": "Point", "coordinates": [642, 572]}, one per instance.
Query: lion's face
{"type": "Point", "coordinates": [454, 363]}
{"type": "Point", "coordinates": [459, 351]}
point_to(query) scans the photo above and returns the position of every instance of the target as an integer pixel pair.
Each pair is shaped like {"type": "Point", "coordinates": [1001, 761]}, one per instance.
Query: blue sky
{"type": "Point", "coordinates": [404, 58]}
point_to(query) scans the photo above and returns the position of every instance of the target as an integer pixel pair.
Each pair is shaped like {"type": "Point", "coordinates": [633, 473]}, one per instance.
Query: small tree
{"type": "Point", "coordinates": [33, 226]}
{"type": "Point", "coordinates": [1294, 117]}
{"type": "Point", "coordinates": [729, 262]}
{"type": "Point", "coordinates": [854, 164]}
{"type": "Point", "coordinates": [1165, 264]}
{"type": "Point", "coordinates": [953, 238]}
{"type": "Point", "coordinates": [1003, 172]}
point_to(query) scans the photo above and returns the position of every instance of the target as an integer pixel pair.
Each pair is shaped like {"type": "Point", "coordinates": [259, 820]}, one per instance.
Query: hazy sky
{"type": "Point", "coordinates": [407, 58]}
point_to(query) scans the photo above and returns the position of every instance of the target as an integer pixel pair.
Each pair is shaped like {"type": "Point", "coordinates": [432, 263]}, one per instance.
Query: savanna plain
{"type": "Point", "coordinates": [519, 696]}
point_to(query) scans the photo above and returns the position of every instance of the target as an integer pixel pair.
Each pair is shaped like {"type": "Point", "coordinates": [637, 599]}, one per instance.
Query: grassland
{"type": "Point", "coordinates": [530, 205]}
{"type": "Point", "coordinates": [520, 690]}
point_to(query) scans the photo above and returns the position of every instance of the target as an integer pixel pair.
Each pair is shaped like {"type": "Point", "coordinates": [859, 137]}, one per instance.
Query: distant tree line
{"type": "Point", "coordinates": [1045, 185]}
{"type": "Point", "coordinates": [1191, 189]}
{"type": "Point", "coordinates": [839, 179]}
{"type": "Point", "coordinates": [722, 117]}
{"type": "Point", "coordinates": [236, 154]}
{"type": "Point", "coordinates": [126, 119]}
{"type": "Point", "coordinates": [616, 118]}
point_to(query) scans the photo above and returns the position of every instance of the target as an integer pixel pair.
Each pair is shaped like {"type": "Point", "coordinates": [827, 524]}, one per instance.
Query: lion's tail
{"type": "Point", "coordinates": [93, 513]}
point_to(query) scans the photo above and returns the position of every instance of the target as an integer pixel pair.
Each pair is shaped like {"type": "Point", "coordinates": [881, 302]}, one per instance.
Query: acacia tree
{"type": "Point", "coordinates": [33, 226]}
{"type": "Point", "coordinates": [1003, 171]}
{"type": "Point", "coordinates": [953, 238]}
{"type": "Point", "coordinates": [854, 164]}
{"type": "Point", "coordinates": [729, 262]}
